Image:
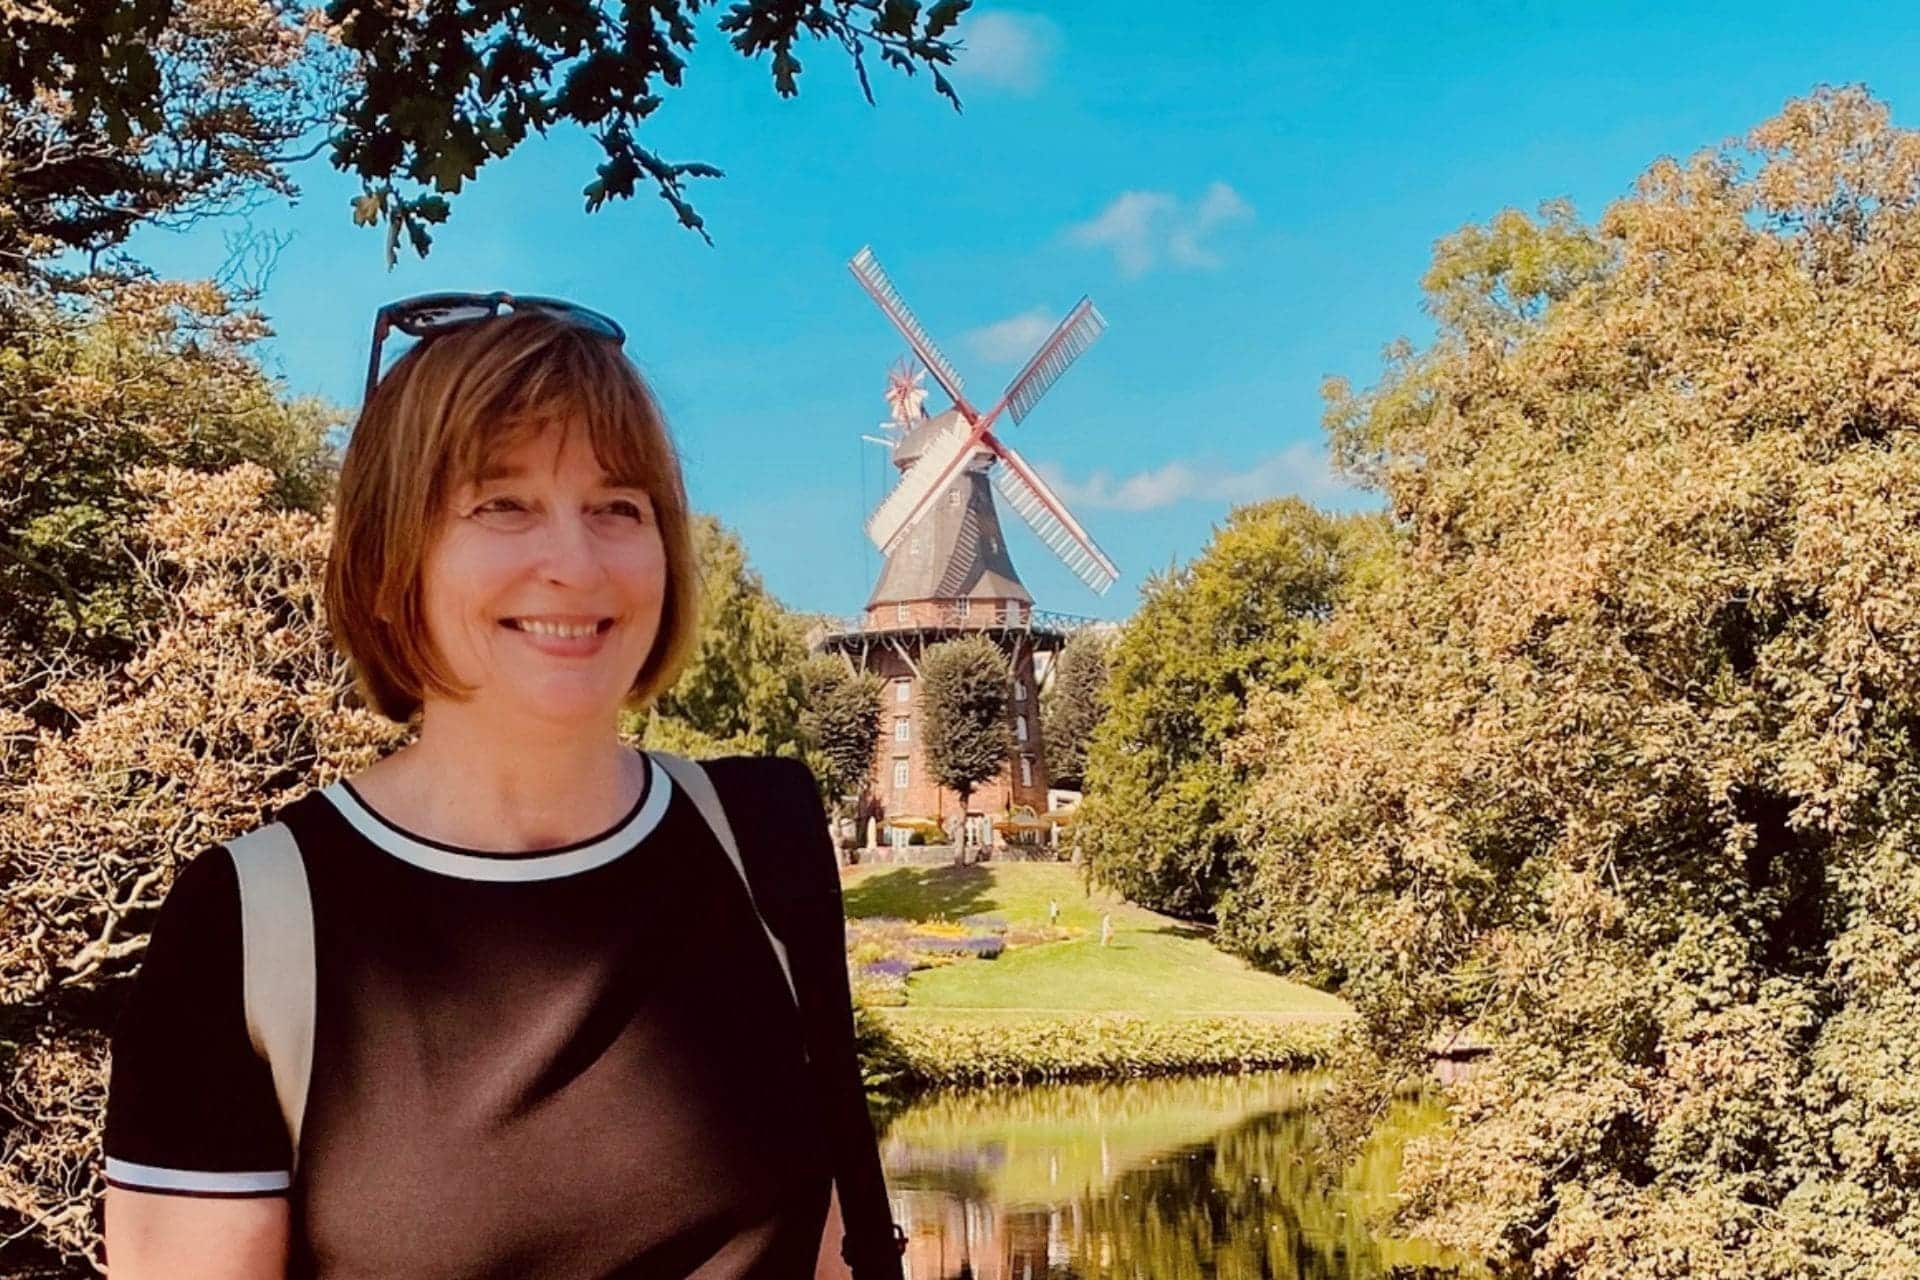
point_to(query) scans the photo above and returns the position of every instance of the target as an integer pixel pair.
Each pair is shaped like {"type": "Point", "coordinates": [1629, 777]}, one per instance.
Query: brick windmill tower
{"type": "Point", "coordinates": [947, 570]}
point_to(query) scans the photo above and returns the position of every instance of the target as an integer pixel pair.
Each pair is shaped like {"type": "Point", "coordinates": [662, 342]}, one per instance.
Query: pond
{"type": "Point", "coordinates": [1218, 1176]}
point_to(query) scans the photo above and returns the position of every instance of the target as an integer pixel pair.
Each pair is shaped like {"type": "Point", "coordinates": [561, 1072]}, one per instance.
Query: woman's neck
{"type": "Point", "coordinates": [478, 785]}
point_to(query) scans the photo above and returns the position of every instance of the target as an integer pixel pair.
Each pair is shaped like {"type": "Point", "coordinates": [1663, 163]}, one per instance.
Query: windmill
{"type": "Point", "coordinates": [947, 569]}
{"type": "Point", "coordinates": [962, 438]}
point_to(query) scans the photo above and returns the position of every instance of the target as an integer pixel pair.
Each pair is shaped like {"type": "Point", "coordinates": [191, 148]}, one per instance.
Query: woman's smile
{"type": "Point", "coordinates": [562, 637]}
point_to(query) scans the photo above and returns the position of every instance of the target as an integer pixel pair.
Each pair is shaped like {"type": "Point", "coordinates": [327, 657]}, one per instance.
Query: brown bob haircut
{"type": "Point", "coordinates": [434, 420]}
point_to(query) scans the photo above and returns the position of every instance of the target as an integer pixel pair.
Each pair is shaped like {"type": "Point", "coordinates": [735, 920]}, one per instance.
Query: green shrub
{"type": "Point", "coordinates": [916, 1052]}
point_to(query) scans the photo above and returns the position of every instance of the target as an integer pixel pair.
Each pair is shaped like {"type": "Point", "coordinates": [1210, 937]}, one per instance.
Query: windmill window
{"type": "Point", "coordinates": [903, 688]}
{"type": "Point", "coordinates": [953, 497]}
{"type": "Point", "coordinates": [899, 775]}
{"type": "Point", "coordinates": [902, 729]}
{"type": "Point", "coordinates": [1019, 691]}
{"type": "Point", "coordinates": [966, 607]}
{"type": "Point", "coordinates": [900, 612]}
{"type": "Point", "coordinates": [1020, 728]}
{"type": "Point", "coordinates": [1026, 771]}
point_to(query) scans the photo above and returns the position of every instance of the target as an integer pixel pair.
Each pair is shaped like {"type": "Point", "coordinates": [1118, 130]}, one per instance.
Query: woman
{"type": "Point", "coordinates": [549, 1036]}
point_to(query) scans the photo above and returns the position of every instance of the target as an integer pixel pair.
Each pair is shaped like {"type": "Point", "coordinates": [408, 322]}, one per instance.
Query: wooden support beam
{"type": "Point", "coordinates": [905, 656]}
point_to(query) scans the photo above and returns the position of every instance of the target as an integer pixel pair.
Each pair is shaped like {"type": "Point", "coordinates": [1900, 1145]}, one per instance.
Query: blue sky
{"type": "Point", "coordinates": [1249, 193]}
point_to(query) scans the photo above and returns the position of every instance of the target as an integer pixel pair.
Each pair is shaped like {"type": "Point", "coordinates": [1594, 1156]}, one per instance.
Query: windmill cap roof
{"type": "Point", "coordinates": [914, 443]}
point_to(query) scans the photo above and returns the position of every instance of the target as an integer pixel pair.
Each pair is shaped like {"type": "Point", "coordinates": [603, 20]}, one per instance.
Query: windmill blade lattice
{"type": "Point", "coordinates": [867, 270]}
{"type": "Point", "coordinates": [1048, 517]}
{"type": "Point", "coordinates": [1083, 325]}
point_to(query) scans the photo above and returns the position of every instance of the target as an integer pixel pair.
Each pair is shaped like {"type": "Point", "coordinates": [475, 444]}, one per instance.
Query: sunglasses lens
{"type": "Point", "coordinates": [424, 318]}
{"type": "Point", "coordinates": [590, 320]}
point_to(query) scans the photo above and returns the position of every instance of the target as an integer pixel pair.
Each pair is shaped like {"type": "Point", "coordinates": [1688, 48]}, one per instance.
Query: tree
{"type": "Point", "coordinates": [1160, 820]}
{"type": "Point", "coordinates": [234, 703]}
{"type": "Point", "coordinates": [116, 114]}
{"type": "Point", "coordinates": [447, 85]}
{"type": "Point", "coordinates": [164, 676]}
{"type": "Point", "coordinates": [1075, 701]}
{"type": "Point", "coordinates": [966, 735]}
{"type": "Point", "coordinates": [1614, 770]}
{"type": "Point", "coordinates": [740, 693]}
{"type": "Point", "coordinates": [840, 723]}
{"type": "Point", "coordinates": [95, 384]}
{"type": "Point", "coordinates": [119, 112]}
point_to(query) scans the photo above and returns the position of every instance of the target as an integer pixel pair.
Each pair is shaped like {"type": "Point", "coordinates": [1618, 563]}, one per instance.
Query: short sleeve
{"type": "Point", "coordinates": [190, 1105]}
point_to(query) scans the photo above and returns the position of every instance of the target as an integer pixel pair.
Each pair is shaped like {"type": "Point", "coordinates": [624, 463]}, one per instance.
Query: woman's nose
{"type": "Point", "coordinates": [569, 552]}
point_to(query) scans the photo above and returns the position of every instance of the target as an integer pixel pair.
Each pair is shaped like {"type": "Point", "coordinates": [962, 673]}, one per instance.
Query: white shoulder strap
{"type": "Point", "coordinates": [276, 941]}
{"type": "Point", "coordinates": [691, 778]}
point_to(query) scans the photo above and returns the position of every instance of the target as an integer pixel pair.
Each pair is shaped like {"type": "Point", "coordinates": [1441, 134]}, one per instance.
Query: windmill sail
{"type": "Point", "coordinates": [933, 452]}
{"type": "Point", "coordinates": [1074, 335]}
{"type": "Point", "coordinates": [867, 270]}
{"type": "Point", "coordinates": [937, 464]}
{"type": "Point", "coordinates": [1048, 517]}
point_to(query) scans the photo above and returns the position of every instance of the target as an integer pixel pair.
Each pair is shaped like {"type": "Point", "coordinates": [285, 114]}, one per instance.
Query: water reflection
{"type": "Point", "coordinates": [1162, 1179]}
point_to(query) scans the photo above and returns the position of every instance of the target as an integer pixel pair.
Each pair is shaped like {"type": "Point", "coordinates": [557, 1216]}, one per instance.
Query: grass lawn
{"type": "Point", "coordinates": [1155, 965]}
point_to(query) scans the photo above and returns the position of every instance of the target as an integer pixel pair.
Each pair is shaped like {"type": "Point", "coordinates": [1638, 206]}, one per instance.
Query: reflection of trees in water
{"type": "Point", "coordinates": [1251, 1202]}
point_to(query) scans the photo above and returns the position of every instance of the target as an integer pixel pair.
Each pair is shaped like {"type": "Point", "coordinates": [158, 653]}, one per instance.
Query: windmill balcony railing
{"type": "Point", "coordinates": [926, 615]}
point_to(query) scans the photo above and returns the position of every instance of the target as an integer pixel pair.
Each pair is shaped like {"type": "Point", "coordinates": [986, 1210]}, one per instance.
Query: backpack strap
{"type": "Point", "coordinates": [691, 778]}
{"type": "Point", "coordinates": [814, 923]}
{"type": "Point", "coordinates": [276, 948]}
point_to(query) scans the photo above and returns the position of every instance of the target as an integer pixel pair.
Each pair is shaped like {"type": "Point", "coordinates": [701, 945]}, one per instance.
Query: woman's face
{"type": "Point", "coordinates": [543, 589]}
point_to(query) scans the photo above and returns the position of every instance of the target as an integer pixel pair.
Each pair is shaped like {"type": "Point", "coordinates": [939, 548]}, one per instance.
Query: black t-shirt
{"type": "Point", "coordinates": [583, 1062]}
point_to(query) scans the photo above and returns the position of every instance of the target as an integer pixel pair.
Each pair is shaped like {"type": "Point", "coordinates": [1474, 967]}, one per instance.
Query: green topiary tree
{"type": "Point", "coordinates": [966, 732]}
{"type": "Point", "coordinates": [1074, 702]}
{"type": "Point", "coordinates": [840, 724]}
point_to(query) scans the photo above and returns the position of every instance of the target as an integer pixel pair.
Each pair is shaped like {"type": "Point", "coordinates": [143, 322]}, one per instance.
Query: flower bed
{"type": "Point", "coordinates": [882, 951]}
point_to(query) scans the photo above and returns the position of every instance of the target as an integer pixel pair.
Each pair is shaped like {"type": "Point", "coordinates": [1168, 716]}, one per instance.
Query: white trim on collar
{"type": "Point", "coordinates": [510, 867]}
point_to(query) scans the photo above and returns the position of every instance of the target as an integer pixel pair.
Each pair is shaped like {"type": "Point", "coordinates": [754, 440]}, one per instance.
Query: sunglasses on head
{"type": "Point", "coordinates": [431, 314]}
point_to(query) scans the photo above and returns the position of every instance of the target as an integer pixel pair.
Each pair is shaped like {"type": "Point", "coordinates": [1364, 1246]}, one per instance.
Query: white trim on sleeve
{"type": "Point", "coordinates": [147, 1177]}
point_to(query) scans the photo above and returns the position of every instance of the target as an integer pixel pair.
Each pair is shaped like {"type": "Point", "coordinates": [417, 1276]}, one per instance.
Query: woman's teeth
{"type": "Point", "coordinates": [536, 627]}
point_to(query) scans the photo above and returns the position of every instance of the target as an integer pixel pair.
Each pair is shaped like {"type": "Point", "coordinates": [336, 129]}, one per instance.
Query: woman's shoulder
{"type": "Point", "coordinates": [208, 882]}
{"type": "Point", "coordinates": [763, 777]}
{"type": "Point", "coordinates": [773, 801]}
{"type": "Point", "coordinates": [209, 876]}
{"type": "Point", "coordinates": [197, 927]}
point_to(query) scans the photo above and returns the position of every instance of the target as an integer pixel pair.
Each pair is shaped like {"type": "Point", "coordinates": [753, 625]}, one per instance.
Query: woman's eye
{"type": "Point", "coordinates": [497, 504]}
{"type": "Point", "coordinates": [625, 508]}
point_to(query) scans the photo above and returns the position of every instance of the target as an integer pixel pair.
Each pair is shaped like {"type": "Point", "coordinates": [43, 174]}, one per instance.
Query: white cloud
{"type": "Point", "coordinates": [1014, 338]}
{"type": "Point", "coordinates": [1005, 50]}
{"type": "Point", "coordinates": [1144, 228]}
{"type": "Point", "coordinates": [1300, 469]}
